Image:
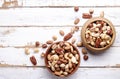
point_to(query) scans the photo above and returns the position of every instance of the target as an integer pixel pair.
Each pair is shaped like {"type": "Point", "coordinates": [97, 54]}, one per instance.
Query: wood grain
{"type": "Point", "coordinates": [57, 3]}
{"type": "Point", "coordinates": [52, 16]}
{"type": "Point", "coordinates": [42, 73]}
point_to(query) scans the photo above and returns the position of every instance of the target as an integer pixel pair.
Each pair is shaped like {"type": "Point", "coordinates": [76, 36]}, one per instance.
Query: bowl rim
{"type": "Point", "coordinates": [83, 34]}
{"type": "Point", "coordinates": [46, 61]}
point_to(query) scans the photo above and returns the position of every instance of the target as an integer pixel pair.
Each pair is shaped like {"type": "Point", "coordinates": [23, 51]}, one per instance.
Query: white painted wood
{"type": "Point", "coordinates": [63, 3]}
{"type": "Point", "coordinates": [14, 56]}
{"type": "Point", "coordinates": [20, 36]}
{"type": "Point", "coordinates": [52, 16]}
{"type": "Point", "coordinates": [41, 73]}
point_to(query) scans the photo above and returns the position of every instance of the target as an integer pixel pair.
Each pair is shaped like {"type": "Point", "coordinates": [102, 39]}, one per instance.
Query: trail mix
{"type": "Point", "coordinates": [62, 58]}
{"type": "Point", "coordinates": [98, 34]}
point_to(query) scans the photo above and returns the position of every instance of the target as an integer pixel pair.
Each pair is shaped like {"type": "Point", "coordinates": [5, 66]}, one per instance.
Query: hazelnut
{"type": "Point", "coordinates": [76, 8]}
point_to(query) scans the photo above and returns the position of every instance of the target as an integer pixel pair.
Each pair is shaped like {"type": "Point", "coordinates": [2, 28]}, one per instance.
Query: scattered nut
{"type": "Point", "coordinates": [84, 51]}
{"type": "Point", "coordinates": [37, 44]}
{"type": "Point", "coordinates": [27, 52]}
{"type": "Point", "coordinates": [85, 57]}
{"type": "Point", "coordinates": [67, 37]}
{"type": "Point", "coordinates": [36, 50]}
{"type": "Point", "coordinates": [76, 28]}
{"type": "Point", "coordinates": [43, 55]}
{"type": "Point", "coordinates": [73, 40]}
{"type": "Point", "coordinates": [54, 38]}
{"type": "Point", "coordinates": [33, 60]}
{"type": "Point", "coordinates": [91, 11]}
{"type": "Point", "coordinates": [44, 45]}
{"type": "Point", "coordinates": [61, 32]}
{"type": "Point", "coordinates": [49, 42]}
{"type": "Point", "coordinates": [76, 21]}
{"type": "Point", "coordinates": [79, 44]}
{"type": "Point", "coordinates": [102, 14]}
{"type": "Point", "coordinates": [86, 16]}
{"type": "Point", "coordinates": [76, 8]}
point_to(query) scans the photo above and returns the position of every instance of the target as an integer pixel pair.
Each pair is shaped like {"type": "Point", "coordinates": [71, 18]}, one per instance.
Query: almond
{"type": "Point", "coordinates": [67, 37]}
{"type": "Point", "coordinates": [97, 42]}
{"type": "Point", "coordinates": [76, 21]}
{"type": "Point", "coordinates": [44, 45]}
{"type": "Point", "coordinates": [61, 32]}
{"type": "Point", "coordinates": [49, 42]}
{"type": "Point", "coordinates": [33, 60]}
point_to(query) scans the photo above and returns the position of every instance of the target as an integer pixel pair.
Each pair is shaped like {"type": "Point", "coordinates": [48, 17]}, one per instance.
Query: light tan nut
{"type": "Point", "coordinates": [86, 16]}
{"type": "Point", "coordinates": [27, 52]}
{"type": "Point", "coordinates": [77, 20]}
{"type": "Point", "coordinates": [49, 42]}
{"type": "Point", "coordinates": [76, 8]}
{"type": "Point", "coordinates": [73, 60]}
{"type": "Point", "coordinates": [49, 57]}
{"type": "Point", "coordinates": [65, 73]}
{"type": "Point", "coordinates": [79, 44]}
{"type": "Point", "coordinates": [102, 14]}
{"type": "Point", "coordinates": [42, 54]}
{"type": "Point", "coordinates": [36, 50]}
{"type": "Point", "coordinates": [33, 60]}
{"type": "Point", "coordinates": [77, 57]}
{"type": "Point", "coordinates": [73, 40]}
{"type": "Point", "coordinates": [54, 38]}
{"type": "Point", "coordinates": [67, 36]}
{"type": "Point", "coordinates": [52, 68]}
{"type": "Point", "coordinates": [70, 64]}
{"type": "Point", "coordinates": [61, 32]}
{"type": "Point", "coordinates": [91, 11]}
{"type": "Point", "coordinates": [62, 65]}
{"type": "Point", "coordinates": [66, 55]}
{"type": "Point", "coordinates": [57, 73]}
{"type": "Point", "coordinates": [54, 46]}
{"type": "Point", "coordinates": [84, 51]}
{"type": "Point", "coordinates": [55, 57]}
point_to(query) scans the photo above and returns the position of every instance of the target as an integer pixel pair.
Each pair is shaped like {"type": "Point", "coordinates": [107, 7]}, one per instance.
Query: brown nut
{"type": "Point", "coordinates": [44, 45]}
{"type": "Point", "coordinates": [76, 8]}
{"type": "Point", "coordinates": [84, 51]}
{"type": "Point", "coordinates": [67, 37]}
{"type": "Point", "coordinates": [79, 44]}
{"type": "Point", "coordinates": [86, 16]}
{"type": "Point", "coordinates": [37, 44]}
{"type": "Point", "coordinates": [85, 57]}
{"type": "Point", "coordinates": [54, 38]}
{"type": "Point", "coordinates": [33, 60]}
{"type": "Point", "coordinates": [91, 11]}
{"type": "Point", "coordinates": [76, 21]}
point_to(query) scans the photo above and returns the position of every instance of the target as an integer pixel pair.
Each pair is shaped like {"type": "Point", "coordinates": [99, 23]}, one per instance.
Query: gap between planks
{"type": "Point", "coordinates": [24, 66]}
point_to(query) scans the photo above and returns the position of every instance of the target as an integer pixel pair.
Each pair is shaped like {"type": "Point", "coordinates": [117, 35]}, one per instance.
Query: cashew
{"type": "Point", "coordinates": [57, 73]}
{"type": "Point", "coordinates": [62, 65]}
{"type": "Point", "coordinates": [74, 60]}
{"type": "Point", "coordinates": [103, 43]}
{"type": "Point", "coordinates": [71, 48]}
{"type": "Point", "coordinates": [66, 55]}
{"type": "Point", "coordinates": [70, 64]}
{"type": "Point", "coordinates": [77, 56]}
{"type": "Point", "coordinates": [49, 57]}
{"type": "Point", "coordinates": [65, 73]}
{"type": "Point", "coordinates": [52, 68]}
{"type": "Point", "coordinates": [55, 57]}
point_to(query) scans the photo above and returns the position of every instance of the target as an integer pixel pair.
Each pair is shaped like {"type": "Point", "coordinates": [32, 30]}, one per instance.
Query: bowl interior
{"type": "Point", "coordinates": [93, 49]}
{"type": "Point", "coordinates": [46, 60]}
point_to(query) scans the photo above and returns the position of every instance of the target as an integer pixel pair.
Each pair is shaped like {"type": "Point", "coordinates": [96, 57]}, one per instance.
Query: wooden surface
{"type": "Point", "coordinates": [23, 22]}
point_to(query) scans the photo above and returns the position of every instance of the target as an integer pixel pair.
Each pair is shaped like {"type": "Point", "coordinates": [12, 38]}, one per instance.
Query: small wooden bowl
{"type": "Point", "coordinates": [46, 60]}
{"type": "Point", "coordinates": [91, 48]}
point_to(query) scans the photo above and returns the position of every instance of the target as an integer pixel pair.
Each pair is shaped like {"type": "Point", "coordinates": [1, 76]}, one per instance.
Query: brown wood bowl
{"type": "Point", "coordinates": [47, 65]}
{"type": "Point", "coordinates": [91, 48]}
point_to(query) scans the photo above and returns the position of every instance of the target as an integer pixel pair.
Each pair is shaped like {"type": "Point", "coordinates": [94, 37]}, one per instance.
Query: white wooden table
{"type": "Point", "coordinates": [28, 21]}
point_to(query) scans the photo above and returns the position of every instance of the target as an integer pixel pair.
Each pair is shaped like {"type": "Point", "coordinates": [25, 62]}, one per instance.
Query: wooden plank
{"type": "Point", "coordinates": [34, 3]}
{"type": "Point", "coordinates": [41, 73]}
{"type": "Point", "coordinates": [52, 16]}
{"type": "Point", "coordinates": [17, 57]}
{"type": "Point", "coordinates": [20, 36]}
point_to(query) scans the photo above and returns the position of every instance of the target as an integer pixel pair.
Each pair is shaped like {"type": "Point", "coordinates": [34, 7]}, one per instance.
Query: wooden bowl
{"type": "Point", "coordinates": [48, 66]}
{"type": "Point", "coordinates": [92, 48]}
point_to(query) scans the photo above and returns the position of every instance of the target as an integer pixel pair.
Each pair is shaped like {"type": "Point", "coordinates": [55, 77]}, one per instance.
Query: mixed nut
{"type": "Point", "coordinates": [98, 34]}
{"type": "Point", "coordinates": [62, 58]}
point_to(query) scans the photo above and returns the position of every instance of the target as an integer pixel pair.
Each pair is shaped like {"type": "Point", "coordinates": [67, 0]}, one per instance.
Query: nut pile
{"type": "Point", "coordinates": [98, 34]}
{"type": "Point", "coordinates": [62, 58]}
